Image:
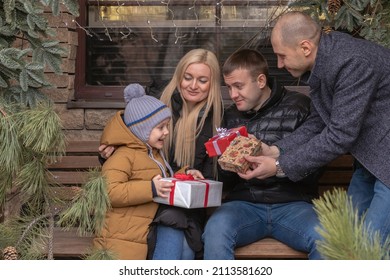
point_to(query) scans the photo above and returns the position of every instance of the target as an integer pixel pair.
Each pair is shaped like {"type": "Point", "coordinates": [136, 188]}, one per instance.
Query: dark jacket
{"type": "Point", "coordinates": [276, 119]}
{"type": "Point", "coordinates": [190, 220]}
{"type": "Point", "coordinates": [350, 93]}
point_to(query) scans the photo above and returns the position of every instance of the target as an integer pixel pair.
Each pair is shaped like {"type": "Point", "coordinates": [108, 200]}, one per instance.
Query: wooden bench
{"type": "Point", "coordinates": [82, 155]}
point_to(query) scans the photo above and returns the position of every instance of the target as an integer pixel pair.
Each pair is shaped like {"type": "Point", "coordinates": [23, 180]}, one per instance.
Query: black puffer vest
{"type": "Point", "coordinates": [277, 118]}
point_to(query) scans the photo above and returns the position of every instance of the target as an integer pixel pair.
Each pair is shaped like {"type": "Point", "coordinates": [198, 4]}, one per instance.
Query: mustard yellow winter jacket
{"type": "Point", "coordinates": [129, 172]}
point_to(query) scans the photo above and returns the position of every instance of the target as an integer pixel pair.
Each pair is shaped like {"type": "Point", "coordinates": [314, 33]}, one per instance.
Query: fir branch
{"type": "Point", "coordinates": [101, 254]}
{"type": "Point", "coordinates": [97, 197]}
{"type": "Point", "coordinates": [33, 241]}
{"type": "Point", "coordinates": [5, 186]}
{"type": "Point", "coordinates": [30, 226]}
{"type": "Point", "coordinates": [9, 233]}
{"type": "Point", "coordinates": [50, 255]}
{"type": "Point", "coordinates": [41, 130]}
{"type": "Point", "coordinates": [3, 112]}
{"type": "Point", "coordinates": [10, 147]}
{"type": "Point", "coordinates": [89, 209]}
{"type": "Point", "coordinates": [27, 234]}
{"type": "Point", "coordinates": [33, 182]}
{"type": "Point", "coordinates": [345, 235]}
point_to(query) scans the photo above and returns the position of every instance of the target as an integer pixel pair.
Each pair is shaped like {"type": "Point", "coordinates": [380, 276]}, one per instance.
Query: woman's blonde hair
{"type": "Point", "coordinates": [187, 127]}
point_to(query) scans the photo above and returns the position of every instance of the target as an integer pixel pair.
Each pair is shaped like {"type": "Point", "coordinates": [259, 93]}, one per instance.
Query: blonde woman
{"type": "Point", "coordinates": [194, 96]}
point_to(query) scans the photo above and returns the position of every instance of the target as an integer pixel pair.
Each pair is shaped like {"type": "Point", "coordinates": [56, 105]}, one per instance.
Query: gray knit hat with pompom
{"type": "Point", "coordinates": [143, 112]}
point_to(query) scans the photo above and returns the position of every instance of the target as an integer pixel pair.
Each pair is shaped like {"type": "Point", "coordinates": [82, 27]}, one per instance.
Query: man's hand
{"type": "Point", "coordinates": [262, 167]}
{"type": "Point", "coordinates": [269, 151]}
{"type": "Point", "coordinates": [106, 151]}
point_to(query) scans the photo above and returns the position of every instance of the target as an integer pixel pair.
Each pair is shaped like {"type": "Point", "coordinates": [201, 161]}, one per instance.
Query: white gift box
{"type": "Point", "coordinates": [193, 193]}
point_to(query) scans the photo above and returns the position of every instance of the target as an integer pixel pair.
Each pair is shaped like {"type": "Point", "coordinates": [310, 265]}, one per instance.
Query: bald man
{"type": "Point", "coordinates": [350, 92]}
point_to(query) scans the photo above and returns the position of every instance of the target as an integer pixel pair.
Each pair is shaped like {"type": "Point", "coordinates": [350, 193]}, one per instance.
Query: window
{"type": "Point", "coordinates": [122, 42]}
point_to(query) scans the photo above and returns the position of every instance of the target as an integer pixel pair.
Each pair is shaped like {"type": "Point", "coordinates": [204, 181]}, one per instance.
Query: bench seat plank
{"type": "Point", "coordinates": [68, 243]}
{"type": "Point", "coordinates": [268, 248]}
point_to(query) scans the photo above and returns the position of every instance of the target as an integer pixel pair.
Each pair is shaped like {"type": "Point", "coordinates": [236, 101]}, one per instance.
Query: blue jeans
{"type": "Point", "coordinates": [171, 244]}
{"type": "Point", "coordinates": [372, 197]}
{"type": "Point", "coordinates": [238, 223]}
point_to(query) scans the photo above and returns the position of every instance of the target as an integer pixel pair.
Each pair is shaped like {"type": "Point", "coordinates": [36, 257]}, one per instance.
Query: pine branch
{"type": "Point", "coordinates": [101, 254]}
{"type": "Point", "coordinates": [3, 112]}
{"type": "Point", "coordinates": [34, 245]}
{"type": "Point", "coordinates": [89, 209]}
{"type": "Point", "coordinates": [50, 255]}
{"type": "Point", "coordinates": [30, 226]}
{"type": "Point", "coordinates": [9, 233]}
{"type": "Point", "coordinates": [6, 186]}
{"type": "Point", "coordinates": [41, 130]}
{"type": "Point", "coordinates": [10, 147]}
{"type": "Point", "coordinates": [345, 235]}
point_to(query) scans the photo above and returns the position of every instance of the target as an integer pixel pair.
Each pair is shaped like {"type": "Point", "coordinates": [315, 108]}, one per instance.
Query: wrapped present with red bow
{"type": "Point", "coordinates": [218, 144]}
{"type": "Point", "coordinates": [188, 192]}
{"type": "Point", "coordinates": [233, 157]}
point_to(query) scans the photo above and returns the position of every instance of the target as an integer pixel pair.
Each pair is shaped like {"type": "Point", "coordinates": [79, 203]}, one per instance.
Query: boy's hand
{"type": "Point", "coordinates": [163, 188]}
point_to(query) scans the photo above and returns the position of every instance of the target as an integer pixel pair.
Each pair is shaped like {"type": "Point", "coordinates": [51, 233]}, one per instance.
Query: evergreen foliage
{"type": "Point", "coordinates": [87, 212]}
{"type": "Point", "coordinates": [31, 134]}
{"type": "Point", "coordinates": [345, 235]}
{"type": "Point", "coordinates": [101, 255]}
{"type": "Point", "coordinates": [89, 207]}
{"type": "Point", "coordinates": [369, 19]}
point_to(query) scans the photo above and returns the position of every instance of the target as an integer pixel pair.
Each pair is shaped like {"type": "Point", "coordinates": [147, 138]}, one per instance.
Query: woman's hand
{"type": "Point", "coordinates": [195, 173]}
{"type": "Point", "coordinates": [106, 151]}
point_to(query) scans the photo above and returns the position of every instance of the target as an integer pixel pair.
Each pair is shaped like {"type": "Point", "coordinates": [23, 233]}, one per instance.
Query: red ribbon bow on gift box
{"type": "Point", "coordinates": [184, 177]}
{"type": "Point", "coordinates": [187, 177]}
{"type": "Point", "coordinates": [222, 132]}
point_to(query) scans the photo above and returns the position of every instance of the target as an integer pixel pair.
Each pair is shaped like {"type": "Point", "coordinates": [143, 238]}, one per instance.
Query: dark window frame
{"type": "Point", "coordinates": [82, 90]}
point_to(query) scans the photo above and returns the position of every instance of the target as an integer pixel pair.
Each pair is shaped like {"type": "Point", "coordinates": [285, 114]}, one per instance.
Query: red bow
{"type": "Point", "coordinates": [184, 177]}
